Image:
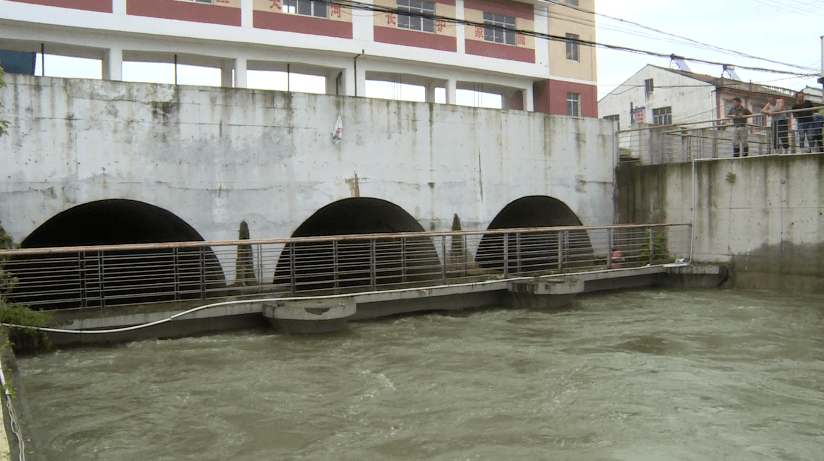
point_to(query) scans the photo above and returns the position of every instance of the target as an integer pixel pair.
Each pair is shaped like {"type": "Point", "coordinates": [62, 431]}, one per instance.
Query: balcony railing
{"type": "Point", "coordinates": [704, 140]}
{"type": "Point", "coordinates": [105, 276]}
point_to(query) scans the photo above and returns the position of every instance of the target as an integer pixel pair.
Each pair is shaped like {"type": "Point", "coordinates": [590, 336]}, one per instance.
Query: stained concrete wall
{"type": "Point", "coordinates": [216, 156]}
{"type": "Point", "coordinates": [763, 214]}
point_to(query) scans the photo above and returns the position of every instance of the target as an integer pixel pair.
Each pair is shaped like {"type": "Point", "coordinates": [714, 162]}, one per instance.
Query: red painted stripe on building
{"type": "Point", "coordinates": [504, 7]}
{"type": "Point", "coordinates": [301, 24]}
{"type": "Point", "coordinates": [184, 11]}
{"type": "Point", "coordinates": [417, 39]}
{"type": "Point", "coordinates": [496, 50]}
{"type": "Point", "coordinates": [101, 6]}
{"type": "Point", "coordinates": [550, 97]}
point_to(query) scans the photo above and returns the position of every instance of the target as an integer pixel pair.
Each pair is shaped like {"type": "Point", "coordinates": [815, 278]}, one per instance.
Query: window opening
{"type": "Point", "coordinates": [416, 22]}
{"type": "Point", "coordinates": [316, 8]}
{"type": "Point", "coordinates": [572, 48]}
{"type": "Point", "coordinates": [499, 28]}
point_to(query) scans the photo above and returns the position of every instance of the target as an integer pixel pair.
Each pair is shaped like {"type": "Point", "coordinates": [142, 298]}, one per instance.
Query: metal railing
{"type": "Point", "coordinates": [105, 276]}
{"type": "Point", "coordinates": [706, 139]}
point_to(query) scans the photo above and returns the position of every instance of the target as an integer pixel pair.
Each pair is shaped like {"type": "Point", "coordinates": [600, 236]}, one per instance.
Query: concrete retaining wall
{"type": "Point", "coordinates": [764, 214]}
{"type": "Point", "coordinates": [216, 156]}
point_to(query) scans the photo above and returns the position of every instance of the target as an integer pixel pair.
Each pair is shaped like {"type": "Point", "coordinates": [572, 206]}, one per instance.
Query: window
{"type": "Point", "coordinates": [662, 116]}
{"type": "Point", "coordinates": [649, 87]}
{"type": "Point", "coordinates": [616, 119]}
{"type": "Point", "coordinates": [571, 2]}
{"type": "Point", "coordinates": [574, 104]}
{"type": "Point", "coordinates": [499, 28]}
{"type": "Point", "coordinates": [316, 8]}
{"type": "Point", "coordinates": [416, 22]}
{"type": "Point", "coordinates": [572, 48]}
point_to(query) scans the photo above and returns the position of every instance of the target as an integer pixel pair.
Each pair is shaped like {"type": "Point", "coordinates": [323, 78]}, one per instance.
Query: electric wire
{"type": "Point", "coordinates": [389, 10]}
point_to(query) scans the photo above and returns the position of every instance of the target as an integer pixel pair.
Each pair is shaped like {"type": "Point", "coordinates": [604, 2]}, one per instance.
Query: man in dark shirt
{"type": "Point", "coordinates": [739, 135]}
{"type": "Point", "coordinates": [805, 121]}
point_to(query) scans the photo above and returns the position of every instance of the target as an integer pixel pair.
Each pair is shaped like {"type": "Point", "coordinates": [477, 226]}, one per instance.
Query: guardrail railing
{"type": "Point", "coordinates": [105, 276]}
{"type": "Point", "coordinates": [712, 139]}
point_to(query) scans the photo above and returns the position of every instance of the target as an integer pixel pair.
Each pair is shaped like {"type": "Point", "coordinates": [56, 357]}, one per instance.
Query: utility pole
{"type": "Point", "coordinates": [821, 79]}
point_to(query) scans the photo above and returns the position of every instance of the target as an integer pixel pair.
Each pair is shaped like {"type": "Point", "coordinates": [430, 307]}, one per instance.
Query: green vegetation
{"type": "Point", "coordinates": [660, 252]}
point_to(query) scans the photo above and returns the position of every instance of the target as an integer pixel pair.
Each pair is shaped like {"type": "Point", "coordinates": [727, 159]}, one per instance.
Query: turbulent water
{"type": "Point", "coordinates": [638, 375]}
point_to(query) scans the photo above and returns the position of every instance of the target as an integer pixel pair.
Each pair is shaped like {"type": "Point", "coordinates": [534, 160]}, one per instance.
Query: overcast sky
{"type": "Point", "coordinates": [783, 31]}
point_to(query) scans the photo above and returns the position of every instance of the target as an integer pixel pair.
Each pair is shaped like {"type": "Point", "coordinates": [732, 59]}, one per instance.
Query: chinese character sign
{"type": "Point", "coordinates": [521, 40]}
{"type": "Point", "coordinates": [479, 32]}
{"type": "Point", "coordinates": [335, 10]}
{"type": "Point", "coordinates": [440, 24]}
{"type": "Point", "coordinates": [391, 18]}
{"type": "Point", "coordinates": [274, 4]}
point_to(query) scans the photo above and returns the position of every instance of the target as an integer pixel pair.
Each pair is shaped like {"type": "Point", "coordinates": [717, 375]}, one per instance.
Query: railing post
{"type": "Point", "coordinates": [293, 280]}
{"type": "Point", "coordinates": [202, 257]}
{"type": "Point", "coordinates": [373, 264]}
{"type": "Point", "coordinates": [518, 253]}
{"type": "Point", "coordinates": [443, 263]}
{"type": "Point", "coordinates": [506, 254]}
{"type": "Point", "coordinates": [100, 273]}
{"type": "Point", "coordinates": [610, 243]}
{"type": "Point", "coordinates": [81, 264]}
{"type": "Point", "coordinates": [403, 259]}
{"type": "Point", "coordinates": [561, 251]}
{"type": "Point", "coordinates": [335, 265]}
{"type": "Point", "coordinates": [651, 244]}
{"type": "Point", "coordinates": [176, 265]}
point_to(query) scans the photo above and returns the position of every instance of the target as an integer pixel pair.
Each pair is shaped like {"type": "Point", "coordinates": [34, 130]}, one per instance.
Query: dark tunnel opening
{"type": "Point", "coordinates": [536, 252]}
{"type": "Point", "coordinates": [90, 279]}
{"type": "Point", "coordinates": [332, 266]}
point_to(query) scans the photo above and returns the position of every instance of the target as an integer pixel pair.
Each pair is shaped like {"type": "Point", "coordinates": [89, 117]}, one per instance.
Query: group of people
{"type": "Point", "coordinates": [808, 120]}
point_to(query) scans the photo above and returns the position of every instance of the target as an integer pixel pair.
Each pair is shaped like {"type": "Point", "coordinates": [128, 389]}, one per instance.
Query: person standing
{"type": "Point", "coordinates": [738, 115]}
{"type": "Point", "coordinates": [805, 122]}
{"type": "Point", "coordinates": [780, 132]}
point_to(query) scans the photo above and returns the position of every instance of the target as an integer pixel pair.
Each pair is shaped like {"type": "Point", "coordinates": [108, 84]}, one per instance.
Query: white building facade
{"type": "Point", "coordinates": [661, 96]}
{"type": "Point", "coordinates": [506, 47]}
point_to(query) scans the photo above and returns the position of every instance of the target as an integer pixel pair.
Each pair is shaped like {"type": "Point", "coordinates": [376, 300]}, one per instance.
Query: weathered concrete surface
{"type": "Point", "coordinates": [216, 156]}
{"type": "Point", "coordinates": [765, 215]}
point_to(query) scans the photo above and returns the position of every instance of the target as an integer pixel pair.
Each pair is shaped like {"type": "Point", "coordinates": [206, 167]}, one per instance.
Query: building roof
{"type": "Point", "coordinates": [732, 84]}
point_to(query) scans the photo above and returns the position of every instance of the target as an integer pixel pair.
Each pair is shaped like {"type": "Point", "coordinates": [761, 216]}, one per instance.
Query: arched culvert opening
{"type": "Point", "coordinates": [88, 279]}
{"type": "Point", "coordinates": [538, 252]}
{"type": "Point", "coordinates": [331, 266]}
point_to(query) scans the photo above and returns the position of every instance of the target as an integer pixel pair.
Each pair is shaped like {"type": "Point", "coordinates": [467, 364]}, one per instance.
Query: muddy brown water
{"type": "Point", "coordinates": [635, 375]}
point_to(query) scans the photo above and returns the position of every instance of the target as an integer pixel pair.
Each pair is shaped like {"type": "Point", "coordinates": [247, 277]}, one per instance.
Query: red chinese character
{"type": "Point", "coordinates": [479, 32]}
{"type": "Point", "coordinates": [440, 24]}
{"type": "Point", "coordinates": [335, 10]}
{"type": "Point", "coordinates": [391, 19]}
{"type": "Point", "coordinates": [274, 4]}
{"type": "Point", "coordinates": [521, 40]}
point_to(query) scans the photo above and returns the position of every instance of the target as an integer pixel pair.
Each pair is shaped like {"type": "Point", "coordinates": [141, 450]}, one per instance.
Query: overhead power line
{"type": "Point", "coordinates": [384, 9]}
{"type": "Point", "coordinates": [702, 44]}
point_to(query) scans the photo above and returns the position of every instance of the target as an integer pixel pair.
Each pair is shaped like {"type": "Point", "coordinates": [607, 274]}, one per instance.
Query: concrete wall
{"type": "Point", "coordinates": [764, 214]}
{"type": "Point", "coordinates": [216, 156]}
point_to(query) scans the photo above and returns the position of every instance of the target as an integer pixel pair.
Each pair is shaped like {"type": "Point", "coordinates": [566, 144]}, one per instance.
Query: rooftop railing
{"type": "Point", "coordinates": [102, 277]}
{"type": "Point", "coordinates": [711, 139]}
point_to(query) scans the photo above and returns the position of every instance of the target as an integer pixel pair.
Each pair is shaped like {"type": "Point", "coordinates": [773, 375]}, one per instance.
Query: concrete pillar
{"type": "Point", "coordinates": [240, 73]}
{"type": "Point", "coordinates": [528, 100]}
{"type": "Point", "coordinates": [430, 91]}
{"type": "Point", "coordinates": [246, 13]}
{"type": "Point", "coordinates": [113, 64]}
{"type": "Point", "coordinates": [336, 82]}
{"type": "Point", "coordinates": [226, 79]}
{"type": "Point", "coordinates": [358, 85]}
{"type": "Point", "coordinates": [451, 91]}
